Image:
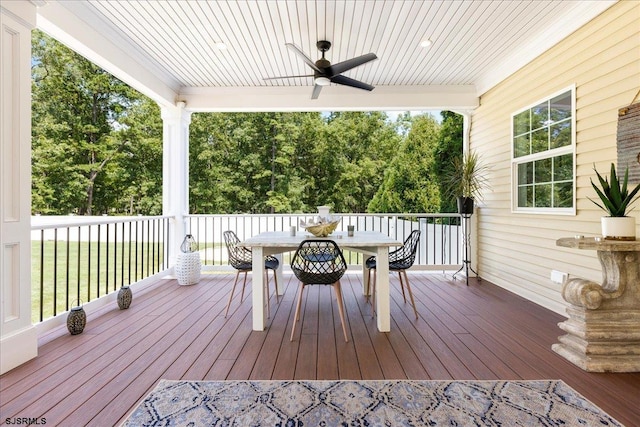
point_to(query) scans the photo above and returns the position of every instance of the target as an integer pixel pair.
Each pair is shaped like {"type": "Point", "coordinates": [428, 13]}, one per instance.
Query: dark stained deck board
{"type": "Point", "coordinates": [179, 332]}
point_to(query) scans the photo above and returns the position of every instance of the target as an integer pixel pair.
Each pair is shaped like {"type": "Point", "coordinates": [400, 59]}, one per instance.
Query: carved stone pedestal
{"type": "Point", "coordinates": [603, 329]}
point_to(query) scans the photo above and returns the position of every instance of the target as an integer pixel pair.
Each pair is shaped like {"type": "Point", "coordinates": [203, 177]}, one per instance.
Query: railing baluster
{"type": "Point", "coordinates": [166, 243]}
{"type": "Point", "coordinates": [41, 274]}
{"type": "Point", "coordinates": [99, 262]}
{"type": "Point", "coordinates": [89, 263]}
{"type": "Point", "coordinates": [153, 248]}
{"type": "Point", "coordinates": [67, 272]}
{"type": "Point", "coordinates": [148, 242]}
{"type": "Point", "coordinates": [129, 256]}
{"type": "Point", "coordinates": [55, 272]}
{"type": "Point", "coordinates": [78, 266]}
{"type": "Point", "coordinates": [142, 259]}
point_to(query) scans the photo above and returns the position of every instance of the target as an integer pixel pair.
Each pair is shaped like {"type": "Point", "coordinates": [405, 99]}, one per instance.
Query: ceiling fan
{"type": "Point", "coordinates": [324, 73]}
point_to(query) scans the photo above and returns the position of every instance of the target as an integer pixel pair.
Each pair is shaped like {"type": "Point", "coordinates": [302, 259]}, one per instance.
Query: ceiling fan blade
{"type": "Point", "coordinates": [316, 91]}
{"type": "Point", "coordinates": [302, 55]}
{"type": "Point", "coordinates": [343, 66]}
{"type": "Point", "coordinates": [342, 80]}
{"type": "Point", "coordinates": [286, 77]}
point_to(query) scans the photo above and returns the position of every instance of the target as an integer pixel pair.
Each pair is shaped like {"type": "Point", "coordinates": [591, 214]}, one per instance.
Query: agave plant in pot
{"type": "Point", "coordinates": [467, 180]}
{"type": "Point", "coordinates": [616, 199]}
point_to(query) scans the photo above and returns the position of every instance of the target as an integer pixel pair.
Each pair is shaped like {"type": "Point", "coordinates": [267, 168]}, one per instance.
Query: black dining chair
{"type": "Point", "coordinates": [400, 260]}
{"type": "Point", "coordinates": [240, 259]}
{"type": "Point", "coordinates": [319, 262]}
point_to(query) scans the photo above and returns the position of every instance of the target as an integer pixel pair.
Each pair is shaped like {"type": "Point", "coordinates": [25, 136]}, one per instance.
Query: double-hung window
{"type": "Point", "coordinates": [543, 153]}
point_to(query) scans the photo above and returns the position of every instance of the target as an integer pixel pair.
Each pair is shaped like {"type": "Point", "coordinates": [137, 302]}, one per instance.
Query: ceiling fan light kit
{"type": "Point", "coordinates": [322, 81]}
{"type": "Point", "coordinates": [324, 73]}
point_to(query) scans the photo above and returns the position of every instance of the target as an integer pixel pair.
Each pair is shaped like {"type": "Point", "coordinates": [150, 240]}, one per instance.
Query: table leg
{"type": "Point", "coordinates": [280, 289]}
{"type": "Point", "coordinates": [365, 277]}
{"type": "Point", "coordinates": [383, 306]}
{"type": "Point", "coordinates": [258, 294]}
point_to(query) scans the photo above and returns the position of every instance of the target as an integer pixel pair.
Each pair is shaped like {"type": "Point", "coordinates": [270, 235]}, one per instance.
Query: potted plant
{"type": "Point", "coordinates": [467, 180]}
{"type": "Point", "coordinates": [616, 200]}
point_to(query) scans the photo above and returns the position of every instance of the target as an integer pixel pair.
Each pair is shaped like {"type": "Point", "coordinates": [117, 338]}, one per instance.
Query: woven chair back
{"type": "Point", "coordinates": [404, 257]}
{"type": "Point", "coordinates": [318, 262]}
{"type": "Point", "coordinates": [239, 257]}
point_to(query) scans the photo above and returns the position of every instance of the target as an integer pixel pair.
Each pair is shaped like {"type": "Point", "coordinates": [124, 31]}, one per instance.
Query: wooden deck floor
{"type": "Point", "coordinates": [179, 332]}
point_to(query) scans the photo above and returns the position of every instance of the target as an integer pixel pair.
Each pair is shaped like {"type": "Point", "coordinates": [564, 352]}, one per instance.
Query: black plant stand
{"type": "Point", "coordinates": [466, 241]}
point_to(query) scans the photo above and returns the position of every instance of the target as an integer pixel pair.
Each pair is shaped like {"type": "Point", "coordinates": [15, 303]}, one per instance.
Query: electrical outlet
{"type": "Point", "coordinates": [558, 276]}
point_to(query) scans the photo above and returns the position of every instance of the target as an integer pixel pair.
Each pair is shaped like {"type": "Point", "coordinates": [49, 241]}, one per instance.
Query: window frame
{"type": "Point", "coordinates": [547, 154]}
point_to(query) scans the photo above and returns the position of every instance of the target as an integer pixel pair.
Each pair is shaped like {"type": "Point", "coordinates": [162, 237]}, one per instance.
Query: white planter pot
{"type": "Point", "coordinates": [619, 228]}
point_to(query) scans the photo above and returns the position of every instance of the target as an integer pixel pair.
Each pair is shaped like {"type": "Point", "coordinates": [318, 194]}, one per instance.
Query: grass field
{"type": "Point", "coordinates": [85, 271]}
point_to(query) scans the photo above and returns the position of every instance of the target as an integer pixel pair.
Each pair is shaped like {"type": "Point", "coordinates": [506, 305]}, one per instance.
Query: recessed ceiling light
{"type": "Point", "coordinates": [425, 43]}
{"type": "Point", "coordinates": [220, 45]}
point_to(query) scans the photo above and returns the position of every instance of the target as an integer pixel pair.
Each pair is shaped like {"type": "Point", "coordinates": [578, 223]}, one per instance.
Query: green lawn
{"type": "Point", "coordinates": [93, 271]}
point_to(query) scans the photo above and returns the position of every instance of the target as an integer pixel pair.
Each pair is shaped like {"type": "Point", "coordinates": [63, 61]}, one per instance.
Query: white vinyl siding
{"type": "Point", "coordinates": [518, 250]}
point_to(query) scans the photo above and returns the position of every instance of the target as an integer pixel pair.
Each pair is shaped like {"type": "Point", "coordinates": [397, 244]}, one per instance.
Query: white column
{"type": "Point", "coordinates": [175, 171]}
{"type": "Point", "coordinates": [18, 337]}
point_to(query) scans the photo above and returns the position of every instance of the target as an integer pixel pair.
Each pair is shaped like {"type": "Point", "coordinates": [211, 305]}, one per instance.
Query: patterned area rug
{"type": "Point", "coordinates": [366, 403]}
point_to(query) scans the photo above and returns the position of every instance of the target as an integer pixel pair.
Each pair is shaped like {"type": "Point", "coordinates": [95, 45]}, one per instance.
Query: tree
{"type": "Point", "coordinates": [348, 159]}
{"type": "Point", "coordinates": [448, 149]}
{"type": "Point", "coordinates": [137, 173]}
{"type": "Point", "coordinates": [78, 113]}
{"type": "Point", "coordinates": [287, 162]}
{"type": "Point", "coordinates": [249, 162]}
{"type": "Point", "coordinates": [409, 184]}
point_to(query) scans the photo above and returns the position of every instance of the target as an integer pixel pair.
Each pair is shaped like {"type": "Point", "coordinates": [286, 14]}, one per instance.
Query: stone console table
{"type": "Point", "coordinates": [603, 329]}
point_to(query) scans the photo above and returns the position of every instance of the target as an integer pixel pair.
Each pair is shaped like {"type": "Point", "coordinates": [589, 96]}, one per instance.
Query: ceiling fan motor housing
{"type": "Point", "coordinates": [323, 46]}
{"type": "Point", "coordinates": [322, 63]}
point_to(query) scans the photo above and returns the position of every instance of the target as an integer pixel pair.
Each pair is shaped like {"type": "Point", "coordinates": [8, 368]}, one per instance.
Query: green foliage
{"type": "Point", "coordinates": [615, 196]}
{"type": "Point", "coordinates": [287, 162]}
{"type": "Point", "coordinates": [467, 177]}
{"type": "Point", "coordinates": [96, 143]}
{"type": "Point", "coordinates": [409, 184]}
{"type": "Point", "coordinates": [448, 149]}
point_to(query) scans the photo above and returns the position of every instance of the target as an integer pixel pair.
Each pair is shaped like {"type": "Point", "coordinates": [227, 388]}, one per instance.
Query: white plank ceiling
{"type": "Point", "coordinates": [474, 43]}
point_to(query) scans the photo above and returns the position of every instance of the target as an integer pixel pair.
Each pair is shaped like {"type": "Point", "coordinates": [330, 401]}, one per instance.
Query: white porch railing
{"type": "Point", "coordinates": [88, 258]}
{"type": "Point", "coordinates": [439, 249]}
{"type": "Point", "coordinates": [77, 258]}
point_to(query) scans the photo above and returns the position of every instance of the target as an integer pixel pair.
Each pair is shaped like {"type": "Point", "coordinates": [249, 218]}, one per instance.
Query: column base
{"type": "Point", "coordinates": [18, 348]}
{"type": "Point", "coordinates": [601, 340]}
{"type": "Point", "coordinates": [608, 363]}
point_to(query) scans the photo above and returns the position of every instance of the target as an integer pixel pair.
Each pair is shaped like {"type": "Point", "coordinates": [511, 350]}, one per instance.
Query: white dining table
{"type": "Point", "coordinates": [366, 242]}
